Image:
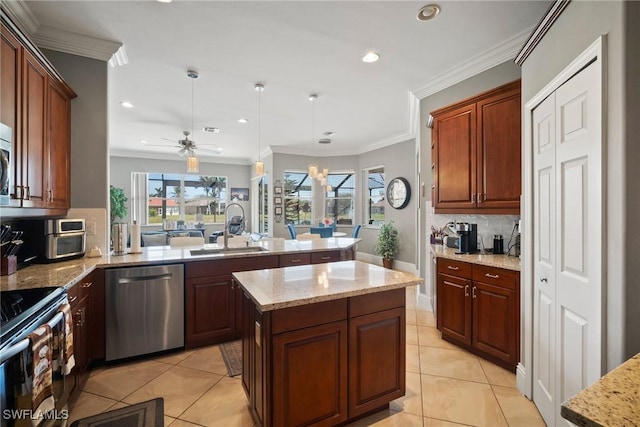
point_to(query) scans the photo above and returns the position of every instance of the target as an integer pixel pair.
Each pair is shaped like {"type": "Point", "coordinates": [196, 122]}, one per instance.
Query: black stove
{"type": "Point", "coordinates": [20, 308]}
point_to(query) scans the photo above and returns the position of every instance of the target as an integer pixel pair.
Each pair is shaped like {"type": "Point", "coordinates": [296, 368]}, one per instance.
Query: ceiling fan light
{"type": "Point", "coordinates": [192, 164]}
{"type": "Point", "coordinates": [325, 172]}
{"type": "Point", "coordinates": [259, 168]}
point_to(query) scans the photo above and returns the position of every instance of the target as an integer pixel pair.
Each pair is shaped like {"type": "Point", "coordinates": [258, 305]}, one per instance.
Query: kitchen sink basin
{"type": "Point", "coordinates": [236, 250]}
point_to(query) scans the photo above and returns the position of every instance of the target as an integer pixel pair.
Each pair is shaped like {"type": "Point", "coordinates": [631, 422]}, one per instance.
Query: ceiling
{"type": "Point", "coordinates": [294, 48]}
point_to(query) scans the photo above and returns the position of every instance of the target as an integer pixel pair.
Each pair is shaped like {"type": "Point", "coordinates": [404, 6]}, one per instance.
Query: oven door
{"type": "Point", "coordinates": [66, 245]}
{"type": "Point", "coordinates": [15, 410]}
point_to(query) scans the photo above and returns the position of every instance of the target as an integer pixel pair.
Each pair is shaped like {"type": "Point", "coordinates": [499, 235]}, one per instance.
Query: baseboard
{"type": "Point", "coordinates": [521, 380]}
{"type": "Point", "coordinates": [424, 302]}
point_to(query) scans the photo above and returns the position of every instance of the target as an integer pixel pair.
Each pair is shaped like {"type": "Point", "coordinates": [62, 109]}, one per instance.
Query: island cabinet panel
{"type": "Point", "coordinates": [479, 309]}
{"type": "Point", "coordinates": [310, 376]}
{"type": "Point", "coordinates": [213, 304]}
{"type": "Point", "coordinates": [376, 377]}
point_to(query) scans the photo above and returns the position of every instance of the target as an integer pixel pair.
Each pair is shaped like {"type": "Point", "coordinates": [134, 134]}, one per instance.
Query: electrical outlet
{"type": "Point", "coordinates": [91, 228]}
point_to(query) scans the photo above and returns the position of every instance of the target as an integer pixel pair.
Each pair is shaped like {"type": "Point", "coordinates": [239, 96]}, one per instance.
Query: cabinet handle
{"type": "Point", "coordinates": [50, 192]}
{"type": "Point", "coordinates": [484, 197]}
{"type": "Point", "coordinates": [466, 290]}
{"type": "Point", "coordinates": [233, 285]}
{"type": "Point", "coordinates": [87, 285]}
{"type": "Point", "coordinates": [451, 267]}
{"type": "Point", "coordinates": [473, 292]}
{"type": "Point", "coordinates": [473, 197]}
{"type": "Point", "coordinates": [19, 192]}
{"type": "Point", "coordinates": [27, 192]}
{"type": "Point", "coordinates": [296, 260]}
{"type": "Point", "coordinates": [326, 257]}
{"type": "Point", "coordinates": [493, 276]}
{"type": "Point", "coordinates": [543, 279]}
{"type": "Point", "coordinates": [72, 299]}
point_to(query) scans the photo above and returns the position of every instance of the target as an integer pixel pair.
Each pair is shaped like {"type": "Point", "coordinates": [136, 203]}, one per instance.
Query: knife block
{"type": "Point", "coordinates": [8, 265]}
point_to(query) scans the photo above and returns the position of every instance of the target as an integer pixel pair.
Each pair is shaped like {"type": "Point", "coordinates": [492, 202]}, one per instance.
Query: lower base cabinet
{"type": "Point", "coordinates": [324, 363]}
{"type": "Point", "coordinates": [479, 309]}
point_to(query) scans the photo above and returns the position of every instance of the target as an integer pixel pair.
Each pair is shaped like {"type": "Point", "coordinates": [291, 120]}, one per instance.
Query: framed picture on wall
{"type": "Point", "coordinates": [278, 210]}
{"type": "Point", "coordinates": [277, 200]}
{"type": "Point", "coordinates": [239, 194]}
{"type": "Point", "coordinates": [277, 190]}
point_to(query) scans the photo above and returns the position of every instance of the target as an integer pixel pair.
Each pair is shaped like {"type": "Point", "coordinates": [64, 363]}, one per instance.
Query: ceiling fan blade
{"type": "Point", "coordinates": [216, 150]}
{"type": "Point", "coordinates": [170, 140]}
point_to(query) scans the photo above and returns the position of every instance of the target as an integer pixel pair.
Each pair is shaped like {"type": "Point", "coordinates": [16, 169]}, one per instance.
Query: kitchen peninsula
{"type": "Point", "coordinates": [323, 343]}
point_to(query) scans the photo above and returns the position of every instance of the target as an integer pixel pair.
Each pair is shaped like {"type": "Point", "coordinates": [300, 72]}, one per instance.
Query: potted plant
{"type": "Point", "coordinates": [387, 245]}
{"type": "Point", "coordinates": [118, 203]}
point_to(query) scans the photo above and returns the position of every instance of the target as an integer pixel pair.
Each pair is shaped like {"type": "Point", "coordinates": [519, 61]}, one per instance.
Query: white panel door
{"type": "Point", "coordinates": [544, 294]}
{"type": "Point", "coordinates": [579, 225]}
{"type": "Point", "coordinates": [567, 165]}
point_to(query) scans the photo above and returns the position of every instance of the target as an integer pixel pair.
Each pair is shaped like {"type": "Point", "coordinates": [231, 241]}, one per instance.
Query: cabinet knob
{"type": "Point", "coordinates": [451, 267]}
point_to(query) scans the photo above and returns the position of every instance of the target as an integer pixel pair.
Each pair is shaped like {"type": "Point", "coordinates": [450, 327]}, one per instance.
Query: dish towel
{"type": "Point", "coordinates": [66, 340]}
{"type": "Point", "coordinates": [41, 394]}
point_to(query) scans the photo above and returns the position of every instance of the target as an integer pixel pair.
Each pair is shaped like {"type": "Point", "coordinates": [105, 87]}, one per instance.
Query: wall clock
{"type": "Point", "coordinates": [398, 193]}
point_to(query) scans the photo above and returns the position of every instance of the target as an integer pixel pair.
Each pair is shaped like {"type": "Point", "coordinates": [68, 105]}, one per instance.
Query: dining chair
{"type": "Point", "coordinates": [292, 231]}
{"type": "Point", "coordinates": [356, 230]}
{"type": "Point", "coordinates": [322, 231]}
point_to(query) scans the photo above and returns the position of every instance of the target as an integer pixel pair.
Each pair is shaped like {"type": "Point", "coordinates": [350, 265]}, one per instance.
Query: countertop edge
{"type": "Point", "coordinates": [490, 260]}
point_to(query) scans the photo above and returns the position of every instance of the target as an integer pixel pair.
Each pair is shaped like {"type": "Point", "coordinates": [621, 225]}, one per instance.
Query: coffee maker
{"type": "Point", "coordinates": [467, 238]}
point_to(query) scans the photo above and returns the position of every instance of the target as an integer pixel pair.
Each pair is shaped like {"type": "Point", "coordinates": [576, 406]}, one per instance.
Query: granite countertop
{"type": "Point", "coordinates": [500, 261]}
{"type": "Point", "coordinates": [613, 400]}
{"type": "Point", "coordinates": [68, 273]}
{"type": "Point", "coordinates": [272, 289]}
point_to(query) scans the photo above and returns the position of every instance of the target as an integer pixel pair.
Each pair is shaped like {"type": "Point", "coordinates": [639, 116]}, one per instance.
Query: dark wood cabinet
{"type": "Point", "coordinates": [213, 313]}
{"type": "Point", "coordinates": [476, 153]}
{"type": "Point", "coordinates": [479, 309]}
{"type": "Point", "coordinates": [36, 104]}
{"type": "Point", "coordinates": [324, 363]}
{"type": "Point", "coordinates": [325, 256]}
{"type": "Point", "coordinates": [288, 260]}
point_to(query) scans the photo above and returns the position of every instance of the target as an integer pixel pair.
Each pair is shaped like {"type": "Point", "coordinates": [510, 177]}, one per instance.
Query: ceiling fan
{"type": "Point", "coordinates": [187, 147]}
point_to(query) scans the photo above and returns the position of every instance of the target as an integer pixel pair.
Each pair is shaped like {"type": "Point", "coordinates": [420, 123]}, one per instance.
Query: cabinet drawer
{"type": "Point", "coordinates": [454, 268]}
{"type": "Point", "coordinates": [327, 256]}
{"type": "Point", "coordinates": [295, 259]}
{"type": "Point", "coordinates": [380, 301]}
{"type": "Point", "coordinates": [496, 276]}
{"type": "Point", "coordinates": [304, 316]}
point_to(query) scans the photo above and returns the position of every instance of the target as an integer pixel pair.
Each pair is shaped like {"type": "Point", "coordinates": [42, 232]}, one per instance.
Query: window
{"type": "Point", "coordinates": [339, 202]}
{"type": "Point", "coordinates": [297, 198]}
{"type": "Point", "coordinates": [374, 202]}
{"type": "Point", "coordinates": [190, 198]}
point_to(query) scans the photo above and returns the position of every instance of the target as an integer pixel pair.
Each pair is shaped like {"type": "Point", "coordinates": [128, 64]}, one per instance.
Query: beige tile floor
{"type": "Point", "coordinates": [445, 387]}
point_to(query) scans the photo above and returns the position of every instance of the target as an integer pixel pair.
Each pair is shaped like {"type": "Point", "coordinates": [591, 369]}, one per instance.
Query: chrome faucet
{"type": "Point", "coordinates": [228, 224]}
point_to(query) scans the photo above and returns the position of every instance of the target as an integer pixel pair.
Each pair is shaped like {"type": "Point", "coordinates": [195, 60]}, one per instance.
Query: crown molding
{"type": "Point", "coordinates": [75, 44]}
{"type": "Point", "coordinates": [498, 54]}
{"type": "Point", "coordinates": [20, 13]}
{"type": "Point", "coordinates": [541, 29]}
{"type": "Point", "coordinates": [174, 157]}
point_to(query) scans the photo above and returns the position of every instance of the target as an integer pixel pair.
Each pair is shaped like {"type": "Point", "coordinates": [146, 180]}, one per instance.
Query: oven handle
{"type": "Point", "coordinates": [22, 345]}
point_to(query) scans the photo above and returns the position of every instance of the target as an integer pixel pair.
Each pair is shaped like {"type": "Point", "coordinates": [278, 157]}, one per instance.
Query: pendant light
{"type": "Point", "coordinates": [259, 167]}
{"type": "Point", "coordinates": [192, 160]}
{"type": "Point", "coordinates": [313, 168]}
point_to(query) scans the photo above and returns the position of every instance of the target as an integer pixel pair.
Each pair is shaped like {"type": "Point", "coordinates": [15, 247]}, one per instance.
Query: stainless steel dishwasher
{"type": "Point", "coordinates": [144, 310]}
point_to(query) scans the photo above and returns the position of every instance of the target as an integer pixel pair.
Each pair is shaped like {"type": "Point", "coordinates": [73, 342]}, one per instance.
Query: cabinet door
{"type": "Point", "coordinates": [310, 376]}
{"type": "Point", "coordinates": [454, 308]}
{"type": "Point", "coordinates": [498, 154]}
{"type": "Point", "coordinates": [376, 360]}
{"type": "Point", "coordinates": [455, 158]}
{"type": "Point", "coordinates": [34, 150]}
{"type": "Point", "coordinates": [59, 139]}
{"type": "Point", "coordinates": [10, 102]}
{"type": "Point", "coordinates": [496, 322]}
{"type": "Point", "coordinates": [210, 311]}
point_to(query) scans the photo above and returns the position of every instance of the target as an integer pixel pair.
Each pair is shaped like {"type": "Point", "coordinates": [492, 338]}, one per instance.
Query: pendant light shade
{"type": "Point", "coordinates": [313, 171]}
{"type": "Point", "coordinates": [192, 163]}
{"type": "Point", "coordinates": [259, 166]}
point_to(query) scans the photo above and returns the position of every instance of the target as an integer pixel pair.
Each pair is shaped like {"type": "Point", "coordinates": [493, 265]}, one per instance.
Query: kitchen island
{"type": "Point", "coordinates": [323, 344]}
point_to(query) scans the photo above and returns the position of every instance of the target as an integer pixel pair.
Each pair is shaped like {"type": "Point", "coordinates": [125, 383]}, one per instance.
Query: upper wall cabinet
{"type": "Point", "coordinates": [475, 152]}
{"type": "Point", "coordinates": [36, 104]}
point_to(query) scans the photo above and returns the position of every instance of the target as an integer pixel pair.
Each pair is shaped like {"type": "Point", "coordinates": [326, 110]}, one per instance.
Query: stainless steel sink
{"type": "Point", "coordinates": [236, 250]}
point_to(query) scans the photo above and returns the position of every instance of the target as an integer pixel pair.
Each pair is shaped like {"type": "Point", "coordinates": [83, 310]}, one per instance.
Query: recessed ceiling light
{"type": "Point", "coordinates": [211, 129]}
{"type": "Point", "coordinates": [370, 57]}
{"type": "Point", "coordinates": [243, 121]}
{"type": "Point", "coordinates": [126, 104]}
{"type": "Point", "coordinates": [142, 141]}
{"type": "Point", "coordinates": [428, 12]}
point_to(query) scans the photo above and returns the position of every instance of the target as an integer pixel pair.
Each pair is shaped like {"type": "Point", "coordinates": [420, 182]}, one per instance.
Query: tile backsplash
{"type": "Point", "coordinates": [488, 225]}
{"type": "Point", "coordinates": [96, 223]}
